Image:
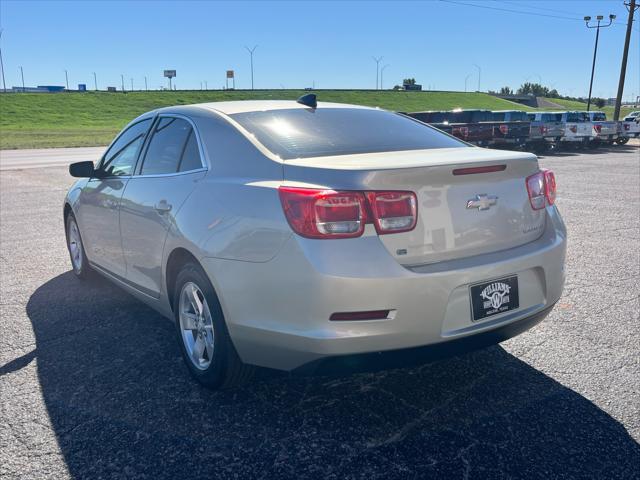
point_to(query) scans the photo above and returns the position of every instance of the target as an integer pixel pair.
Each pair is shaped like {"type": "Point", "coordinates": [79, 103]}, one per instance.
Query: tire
{"type": "Point", "coordinates": [622, 140]}
{"type": "Point", "coordinates": [75, 247]}
{"type": "Point", "coordinates": [202, 334]}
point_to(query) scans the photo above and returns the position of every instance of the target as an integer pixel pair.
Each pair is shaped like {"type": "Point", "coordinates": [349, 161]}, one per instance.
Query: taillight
{"type": "Point", "coordinates": [504, 129]}
{"type": "Point", "coordinates": [543, 129]}
{"type": "Point", "coordinates": [541, 188]}
{"type": "Point", "coordinates": [315, 213]}
{"type": "Point", "coordinates": [324, 213]}
{"type": "Point", "coordinates": [460, 132]}
{"type": "Point", "coordinates": [549, 186]}
{"type": "Point", "coordinates": [393, 212]}
{"type": "Point", "coordinates": [627, 126]}
{"type": "Point", "coordinates": [574, 128]}
{"type": "Point", "coordinates": [598, 128]}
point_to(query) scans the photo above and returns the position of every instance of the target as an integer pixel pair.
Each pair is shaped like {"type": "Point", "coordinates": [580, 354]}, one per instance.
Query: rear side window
{"type": "Point", "coordinates": [303, 133]}
{"type": "Point", "coordinates": [599, 117]}
{"type": "Point", "coordinates": [173, 148]}
{"type": "Point", "coordinates": [121, 157]}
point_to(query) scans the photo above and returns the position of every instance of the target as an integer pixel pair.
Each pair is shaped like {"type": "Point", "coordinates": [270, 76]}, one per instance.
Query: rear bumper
{"type": "Point", "coordinates": [374, 361]}
{"type": "Point", "coordinates": [277, 312]}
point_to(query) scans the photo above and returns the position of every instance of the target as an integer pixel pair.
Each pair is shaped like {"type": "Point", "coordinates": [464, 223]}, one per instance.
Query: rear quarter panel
{"type": "Point", "coordinates": [234, 213]}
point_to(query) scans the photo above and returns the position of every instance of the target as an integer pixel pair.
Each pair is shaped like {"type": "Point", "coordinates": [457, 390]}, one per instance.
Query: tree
{"type": "Point", "coordinates": [598, 102]}
{"type": "Point", "coordinates": [409, 81]}
{"type": "Point", "coordinates": [536, 89]}
{"type": "Point", "coordinates": [506, 91]}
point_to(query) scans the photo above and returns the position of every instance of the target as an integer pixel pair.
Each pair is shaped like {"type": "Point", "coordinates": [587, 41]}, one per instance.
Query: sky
{"type": "Point", "coordinates": [323, 44]}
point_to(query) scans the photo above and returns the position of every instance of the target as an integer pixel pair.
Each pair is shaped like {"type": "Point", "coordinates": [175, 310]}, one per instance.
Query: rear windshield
{"type": "Point", "coordinates": [577, 117]}
{"type": "Point", "coordinates": [302, 133]}
{"type": "Point", "coordinates": [467, 116]}
{"type": "Point", "coordinates": [551, 117]}
{"type": "Point", "coordinates": [599, 117]}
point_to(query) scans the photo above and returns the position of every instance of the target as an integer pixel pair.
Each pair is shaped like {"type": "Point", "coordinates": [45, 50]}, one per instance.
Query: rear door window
{"type": "Point", "coordinates": [303, 133]}
{"type": "Point", "coordinates": [173, 148]}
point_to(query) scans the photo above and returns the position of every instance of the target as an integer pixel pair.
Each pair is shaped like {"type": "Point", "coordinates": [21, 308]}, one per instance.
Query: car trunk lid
{"type": "Point", "coordinates": [460, 213]}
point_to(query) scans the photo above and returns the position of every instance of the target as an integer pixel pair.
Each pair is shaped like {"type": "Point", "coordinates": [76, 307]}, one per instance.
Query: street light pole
{"type": "Point", "coordinates": [377, 60]}
{"type": "Point", "coordinates": [22, 75]}
{"type": "Point", "coordinates": [122, 80]}
{"type": "Point", "coordinates": [146, 88]}
{"type": "Point", "coordinates": [4, 85]}
{"type": "Point", "coordinates": [599, 18]}
{"type": "Point", "coordinates": [251, 50]}
{"type": "Point", "coordinates": [631, 6]}
{"type": "Point", "coordinates": [479, 70]}
{"type": "Point", "coordinates": [465, 82]}
{"type": "Point", "coordinates": [66, 76]}
{"type": "Point", "coordinates": [382, 75]}
{"type": "Point", "coordinates": [95, 81]}
{"type": "Point", "coordinates": [132, 84]}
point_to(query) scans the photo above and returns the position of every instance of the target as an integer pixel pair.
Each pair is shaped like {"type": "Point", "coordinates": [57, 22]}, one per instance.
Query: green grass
{"type": "Point", "coordinates": [575, 105]}
{"type": "Point", "coordinates": [33, 120]}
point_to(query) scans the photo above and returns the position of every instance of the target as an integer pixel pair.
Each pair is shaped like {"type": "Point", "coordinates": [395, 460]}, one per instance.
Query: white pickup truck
{"type": "Point", "coordinates": [628, 128]}
{"type": "Point", "coordinates": [578, 129]}
{"type": "Point", "coordinates": [605, 131]}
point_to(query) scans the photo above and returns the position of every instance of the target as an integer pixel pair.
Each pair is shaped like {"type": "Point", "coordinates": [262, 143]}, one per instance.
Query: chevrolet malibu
{"type": "Point", "coordinates": [304, 236]}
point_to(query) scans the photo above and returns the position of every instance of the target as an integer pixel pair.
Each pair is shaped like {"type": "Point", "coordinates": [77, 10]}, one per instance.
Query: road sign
{"type": "Point", "coordinates": [169, 73]}
{"type": "Point", "coordinates": [230, 74]}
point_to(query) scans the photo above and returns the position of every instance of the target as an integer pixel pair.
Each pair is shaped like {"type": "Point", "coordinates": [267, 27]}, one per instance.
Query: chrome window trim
{"type": "Point", "coordinates": [204, 160]}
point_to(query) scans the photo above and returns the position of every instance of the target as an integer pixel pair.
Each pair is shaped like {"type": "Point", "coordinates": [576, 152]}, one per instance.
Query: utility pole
{"type": "Point", "coordinates": [122, 80]}
{"type": "Point", "coordinates": [595, 49]}
{"type": "Point", "coordinates": [4, 85]}
{"type": "Point", "coordinates": [66, 75]}
{"type": "Point", "coordinates": [146, 88]}
{"type": "Point", "coordinates": [381, 76]}
{"type": "Point", "coordinates": [22, 75]}
{"type": "Point", "coordinates": [631, 6]}
{"type": "Point", "coordinates": [206, 85]}
{"type": "Point", "coordinates": [377, 60]}
{"type": "Point", "coordinates": [251, 50]}
{"type": "Point", "coordinates": [479, 70]}
{"type": "Point", "coordinates": [95, 81]}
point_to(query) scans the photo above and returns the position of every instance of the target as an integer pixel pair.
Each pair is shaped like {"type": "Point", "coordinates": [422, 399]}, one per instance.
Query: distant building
{"type": "Point", "coordinates": [39, 89]}
{"type": "Point", "coordinates": [411, 86]}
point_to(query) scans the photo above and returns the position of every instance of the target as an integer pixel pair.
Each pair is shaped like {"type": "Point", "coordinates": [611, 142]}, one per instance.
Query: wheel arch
{"type": "Point", "coordinates": [176, 259]}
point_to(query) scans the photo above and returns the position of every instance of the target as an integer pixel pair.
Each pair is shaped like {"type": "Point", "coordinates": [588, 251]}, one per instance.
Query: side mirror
{"type": "Point", "coordinates": [82, 169]}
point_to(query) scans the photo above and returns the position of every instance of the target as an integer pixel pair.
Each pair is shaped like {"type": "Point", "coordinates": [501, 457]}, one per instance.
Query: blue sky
{"type": "Point", "coordinates": [329, 43]}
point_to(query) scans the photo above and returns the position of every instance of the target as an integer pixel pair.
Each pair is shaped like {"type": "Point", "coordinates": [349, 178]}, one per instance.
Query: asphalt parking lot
{"type": "Point", "coordinates": [92, 384]}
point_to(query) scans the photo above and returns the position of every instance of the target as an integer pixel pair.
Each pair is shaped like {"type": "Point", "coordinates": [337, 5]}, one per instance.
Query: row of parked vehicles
{"type": "Point", "coordinates": [535, 131]}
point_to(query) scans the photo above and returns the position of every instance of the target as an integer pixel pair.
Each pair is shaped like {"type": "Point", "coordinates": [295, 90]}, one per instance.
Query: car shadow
{"type": "Point", "coordinates": [122, 404]}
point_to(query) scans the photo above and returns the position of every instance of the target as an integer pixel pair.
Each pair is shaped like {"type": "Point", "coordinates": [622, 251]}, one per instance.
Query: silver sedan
{"type": "Point", "coordinates": [308, 236]}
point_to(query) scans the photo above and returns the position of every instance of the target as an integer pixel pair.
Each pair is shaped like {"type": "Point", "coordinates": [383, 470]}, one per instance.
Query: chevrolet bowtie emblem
{"type": "Point", "coordinates": [482, 201]}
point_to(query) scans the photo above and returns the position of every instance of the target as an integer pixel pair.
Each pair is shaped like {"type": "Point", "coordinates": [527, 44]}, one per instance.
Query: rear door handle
{"type": "Point", "coordinates": [162, 207]}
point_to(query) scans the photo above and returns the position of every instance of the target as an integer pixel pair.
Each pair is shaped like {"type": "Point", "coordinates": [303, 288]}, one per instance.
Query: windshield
{"type": "Point", "coordinates": [599, 117]}
{"type": "Point", "coordinates": [302, 133]}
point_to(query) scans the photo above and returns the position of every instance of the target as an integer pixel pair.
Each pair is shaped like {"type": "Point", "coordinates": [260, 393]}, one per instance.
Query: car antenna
{"type": "Point", "coordinates": [309, 100]}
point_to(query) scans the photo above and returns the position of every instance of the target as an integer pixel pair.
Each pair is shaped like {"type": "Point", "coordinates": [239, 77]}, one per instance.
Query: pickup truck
{"type": "Point", "coordinates": [578, 129]}
{"type": "Point", "coordinates": [462, 124]}
{"type": "Point", "coordinates": [628, 128]}
{"type": "Point", "coordinates": [632, 116]}
{"type": "Point", "coordinates": [546, 129]}
{"type": "Point", "coordinates": [511, 128]}
{"type": "Point", "coordinates": [604, 131]}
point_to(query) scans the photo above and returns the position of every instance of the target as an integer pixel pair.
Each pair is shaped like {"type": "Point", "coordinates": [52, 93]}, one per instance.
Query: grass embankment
{"type": "Point", "coordinates": [35, 120]}
{"type": "Point", "coordinates": [575, 105]}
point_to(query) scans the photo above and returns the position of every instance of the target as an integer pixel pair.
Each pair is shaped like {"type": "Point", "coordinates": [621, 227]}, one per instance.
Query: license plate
{"type": "Point", "coordinates": [494, 297]}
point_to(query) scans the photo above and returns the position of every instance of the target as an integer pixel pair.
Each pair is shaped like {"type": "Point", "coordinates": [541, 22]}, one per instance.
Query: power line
{"type": "Point", "coordinates": [536, 7]}
{"type": "Point", "coordinates": [509, 10]}
{"type": "Point", "coordinates": [521, 12]}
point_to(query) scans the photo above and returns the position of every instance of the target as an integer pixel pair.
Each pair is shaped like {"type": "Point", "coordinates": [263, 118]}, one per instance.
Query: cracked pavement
{"type": "Point", "coordinates": [92, 384]}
